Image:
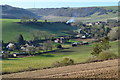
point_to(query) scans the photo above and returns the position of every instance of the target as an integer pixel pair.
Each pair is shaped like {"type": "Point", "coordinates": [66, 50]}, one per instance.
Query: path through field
{"type": "Point", "coordinates": [105, 69]}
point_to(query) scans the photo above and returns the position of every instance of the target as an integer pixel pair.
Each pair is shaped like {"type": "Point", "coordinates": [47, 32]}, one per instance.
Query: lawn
{"type": "Point", "coordinates": [79, 54]}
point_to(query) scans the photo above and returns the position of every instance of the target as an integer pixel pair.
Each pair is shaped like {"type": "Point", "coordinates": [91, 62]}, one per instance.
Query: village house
{"type": "Point", "coordinates": [89, 24]}
{"type": "Point", "coordinates": [100, 23]}
{"type": "Point", "coordinates": [25, 47]}
{"type": "Point", "coordinates": [96, 23]}
{"type": "Point", "coordinates": [10, 46]}
{"type": "Point", "coordinates": [59, 40]}
{"type": "Point", "coordinates": [56, 41]}
{"type": "Point", "coordinates": [78, 36]}
{"type": "Point", "coordinates": [83, 37]}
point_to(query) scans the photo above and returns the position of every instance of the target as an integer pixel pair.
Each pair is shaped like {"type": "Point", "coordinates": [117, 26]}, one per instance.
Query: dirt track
{"type": "Point", "coordinates": [105, 69]}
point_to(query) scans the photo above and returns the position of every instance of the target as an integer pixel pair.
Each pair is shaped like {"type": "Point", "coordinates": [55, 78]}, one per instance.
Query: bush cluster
{"type": "Point", "coordinates": [64, 62]}
{"type": "Point", "coordinates": [105, 55]}
{"type": "Point", "coordinates": [102, 46]}
{"type": "Point", "coordinates": [91, 58]}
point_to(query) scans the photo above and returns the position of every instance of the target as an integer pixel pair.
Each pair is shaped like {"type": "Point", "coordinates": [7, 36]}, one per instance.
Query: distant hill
{"type": "Point", "coordinates": [62, 14]}
{"type": "Point", "coordinates": [74, 12]}
{"type": "Point", "coordinates": [10, 12]}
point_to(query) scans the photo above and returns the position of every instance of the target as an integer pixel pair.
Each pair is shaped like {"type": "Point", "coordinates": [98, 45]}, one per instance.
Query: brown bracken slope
{"type": "Point", "coordinates": [104, 69]}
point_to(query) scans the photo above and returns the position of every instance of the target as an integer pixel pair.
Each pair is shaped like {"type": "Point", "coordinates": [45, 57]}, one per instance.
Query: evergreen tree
{"type": "Point", "coordinates": [34, 19]}
{"type": "Point", "coordinates": [20, 40]}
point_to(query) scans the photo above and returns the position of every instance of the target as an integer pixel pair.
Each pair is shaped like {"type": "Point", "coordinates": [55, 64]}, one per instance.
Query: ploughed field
{"type": "Point", "coordinates": [104, 69]}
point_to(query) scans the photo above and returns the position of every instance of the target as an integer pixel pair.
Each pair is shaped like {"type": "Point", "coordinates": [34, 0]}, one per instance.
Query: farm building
{"type": "Point", "coordinates": [10, 46]}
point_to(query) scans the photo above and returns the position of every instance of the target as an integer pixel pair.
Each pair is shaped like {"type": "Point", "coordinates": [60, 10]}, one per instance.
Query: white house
{"type": "Point", "coordinates": [10, 45]}
{"type": "Point", "coordinates": [56, 41]}
{"type": "Point", "coordinates": [83, 37]}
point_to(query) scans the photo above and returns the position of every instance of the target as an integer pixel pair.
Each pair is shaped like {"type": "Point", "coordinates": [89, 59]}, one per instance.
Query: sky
{"type": "Point", "coordinates": [58, 3]}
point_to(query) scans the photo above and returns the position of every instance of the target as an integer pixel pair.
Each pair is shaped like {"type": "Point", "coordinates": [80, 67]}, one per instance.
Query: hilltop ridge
{"type": "Point", "coordinates": [9, 12]}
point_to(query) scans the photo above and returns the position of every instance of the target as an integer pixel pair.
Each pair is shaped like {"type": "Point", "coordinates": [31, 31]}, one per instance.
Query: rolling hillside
{"type": "Point", "coordinates": [11, 29]}
{"type": "Point", "coordinates": [83, 13]}
{"type": "Point", "coordinates": [74, 12]}
{"type": "Point", "coordinates": [9, 12]}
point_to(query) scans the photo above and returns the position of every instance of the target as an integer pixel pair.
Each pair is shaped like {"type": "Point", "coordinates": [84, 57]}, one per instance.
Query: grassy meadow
{"type": "Point", "coordinates": [79, 54]}
{"type": "Point", "coordinates": [11, 29]}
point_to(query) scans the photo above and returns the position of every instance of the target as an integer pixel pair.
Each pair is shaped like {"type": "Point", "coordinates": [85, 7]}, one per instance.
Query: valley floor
{"type": "Point", "coordinates": [104, 69]}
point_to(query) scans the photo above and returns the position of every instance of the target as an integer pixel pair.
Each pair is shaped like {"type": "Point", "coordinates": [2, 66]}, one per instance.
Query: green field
{"type": "Point", "coordinates": [11, 29]}
{"type": "Point", "coordinates": [79, 54]}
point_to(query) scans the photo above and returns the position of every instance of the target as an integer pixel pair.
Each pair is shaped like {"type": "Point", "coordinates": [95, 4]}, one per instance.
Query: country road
{"type": "Point", "coordinates": [104, 69]}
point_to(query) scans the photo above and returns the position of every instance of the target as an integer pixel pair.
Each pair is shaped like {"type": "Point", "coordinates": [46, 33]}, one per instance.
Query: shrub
{"type": "Point", "coordinates": [6, 55]}
{"type": "Point", "coordinates": [57, 64]}
{"type": "Point", "coordinates": [91, 58]}
{"type": "Point", "coordinates": [59, 46]}
{"type": "Point", "coordinates": [96, 50]}
{"type": "Point", "coordinates": [63, 62]}
{"type": "Point", "coordinates": [103, 45]}
{"type": "Point", "coordinates": [106, 55]}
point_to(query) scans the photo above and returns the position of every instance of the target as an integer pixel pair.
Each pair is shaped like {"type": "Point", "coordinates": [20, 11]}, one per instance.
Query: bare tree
{"type": "Point", "coordinates": [30, 50]}
{"type": "Point", "coordinates": [38, 35]}
{"type": "Point", "coordinates": [48, 45]}
{"type": "Point", "coordinates": [34, 19]}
